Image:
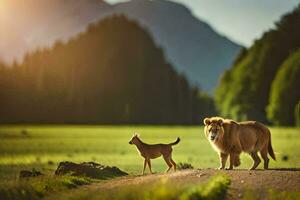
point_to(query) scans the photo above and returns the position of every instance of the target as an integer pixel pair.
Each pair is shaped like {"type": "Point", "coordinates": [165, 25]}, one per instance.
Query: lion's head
{"type": "Point", "coordinates": [213, 128]}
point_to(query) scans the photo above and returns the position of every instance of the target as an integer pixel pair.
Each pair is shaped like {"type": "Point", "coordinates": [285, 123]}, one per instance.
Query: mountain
{"type": "Point", "coordinates": [253, 82]}
{"type": "Point", "coordinates": [111, 73]}
{"type": "Point", "coordinates": [191, 45]}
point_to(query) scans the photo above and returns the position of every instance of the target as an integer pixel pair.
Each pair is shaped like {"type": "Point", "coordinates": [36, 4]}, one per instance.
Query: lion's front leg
{"type": "Point", "coordinates": [223, 159]}
{"type": "Point", "coordinates": [234, 160]}
{"type": "Point", "coordinates": [231, 161]}
{"type": "Point", "coordinates": [237, 160]}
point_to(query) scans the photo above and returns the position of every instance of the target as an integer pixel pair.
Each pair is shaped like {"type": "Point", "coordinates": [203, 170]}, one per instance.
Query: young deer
{"type": "Point", "coordinates": [152, 151]}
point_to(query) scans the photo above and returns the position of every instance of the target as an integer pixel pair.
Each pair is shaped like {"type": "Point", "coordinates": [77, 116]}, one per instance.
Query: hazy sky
{"type": "Point", "coordinates": [242, 21]}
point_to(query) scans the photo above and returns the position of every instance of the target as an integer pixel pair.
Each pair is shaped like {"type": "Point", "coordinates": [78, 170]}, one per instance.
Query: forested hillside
{"type": "Point", "coordinates": [244, 90]}
{"type": "Point", "coordinates": [112, 73]}
{"type": "Point", "coordinates": [285, 92]}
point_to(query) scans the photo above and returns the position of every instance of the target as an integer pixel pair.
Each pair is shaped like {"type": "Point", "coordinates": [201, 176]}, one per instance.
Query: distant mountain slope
{"type": "Point", "coordinates": [191, 45]}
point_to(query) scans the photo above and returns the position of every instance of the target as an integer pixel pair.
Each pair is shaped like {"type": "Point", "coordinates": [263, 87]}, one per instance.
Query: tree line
{"type": "Point", "coordinates": [263, 83]}
{"type": "Point", "coordinates": [112, 73]}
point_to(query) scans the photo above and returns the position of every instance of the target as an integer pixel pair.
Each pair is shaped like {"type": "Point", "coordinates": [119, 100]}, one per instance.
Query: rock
{"type": "Point", "coordinates": [201, 174]}
{"type": "Point", "coordinates": [88, 169]}
{"type": "Point", "coordinates": [28, 174]}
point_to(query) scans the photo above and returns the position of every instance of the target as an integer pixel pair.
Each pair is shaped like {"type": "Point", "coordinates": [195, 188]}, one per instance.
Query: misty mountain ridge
{"type": "Point", "coordinates": [191, 45]}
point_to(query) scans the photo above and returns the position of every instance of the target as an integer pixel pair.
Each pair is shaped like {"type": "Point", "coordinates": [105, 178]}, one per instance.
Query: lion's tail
{"type": "Point", "coordinates": [176, 142]}
{"type": "Point", "coordinates": [266, 130]}
{"type": "Point", "coordinates": [270, 149]}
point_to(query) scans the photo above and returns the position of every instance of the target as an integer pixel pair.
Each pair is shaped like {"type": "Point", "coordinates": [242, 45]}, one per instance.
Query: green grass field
{"type": "Point", "coordinates": [43, 147]}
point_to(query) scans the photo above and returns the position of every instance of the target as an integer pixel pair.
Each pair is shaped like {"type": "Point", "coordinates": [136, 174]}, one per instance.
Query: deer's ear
{"type": "Point", "coordinates": [136, 134]}
{"type": "Point", "coordinates": [220, 121]}
{"type": "Point", "coordinates": [206, 121]}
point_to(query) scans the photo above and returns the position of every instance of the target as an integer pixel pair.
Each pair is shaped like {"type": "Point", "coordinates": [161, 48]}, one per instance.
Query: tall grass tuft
{"type": "Point", "coordinates": [215, 189]}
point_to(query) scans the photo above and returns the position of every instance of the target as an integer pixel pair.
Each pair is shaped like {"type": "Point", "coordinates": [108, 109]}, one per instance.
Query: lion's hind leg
{"type": "Point", "coordinates": [237, 161]}
{"type": "Point", "coordinates": [256, 160]}
{"type": "Point", "coordinates": [264, 155]}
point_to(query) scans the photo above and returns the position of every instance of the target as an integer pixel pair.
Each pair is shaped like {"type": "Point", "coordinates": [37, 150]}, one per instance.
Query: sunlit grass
{"type": "Point", "coordinates": [43, 147]}
{"type": "Point", "coordinates": [213, 190]}
{"type": "Point", "coordinates": [39, 187]}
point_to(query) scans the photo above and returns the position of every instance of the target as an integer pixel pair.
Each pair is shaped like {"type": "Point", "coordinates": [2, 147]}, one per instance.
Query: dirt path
{"type": "Point", "coordinates": [259, 181]}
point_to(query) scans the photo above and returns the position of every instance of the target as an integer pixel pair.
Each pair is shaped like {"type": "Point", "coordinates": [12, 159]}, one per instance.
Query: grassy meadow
{"type": "Point", "coordinates": [43, 147]}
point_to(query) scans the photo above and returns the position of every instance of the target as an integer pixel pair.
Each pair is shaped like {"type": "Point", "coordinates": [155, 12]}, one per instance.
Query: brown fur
{"type": "Point", "coordinates": [152, 151]}
{"type": "Point", "coordinates": [230, 138]}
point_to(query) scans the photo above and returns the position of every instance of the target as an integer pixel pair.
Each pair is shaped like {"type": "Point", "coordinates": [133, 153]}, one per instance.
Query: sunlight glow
{"type": "Point", "coordinates": [3, 12]}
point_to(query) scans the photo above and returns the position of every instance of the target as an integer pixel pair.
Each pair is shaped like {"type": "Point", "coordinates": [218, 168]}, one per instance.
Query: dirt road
{"type": "Point", "coordinates": [242, 181]}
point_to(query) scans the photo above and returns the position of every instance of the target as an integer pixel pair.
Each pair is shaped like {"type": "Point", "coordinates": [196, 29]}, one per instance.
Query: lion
{"type": "Point", "coordinates": [230, 138]}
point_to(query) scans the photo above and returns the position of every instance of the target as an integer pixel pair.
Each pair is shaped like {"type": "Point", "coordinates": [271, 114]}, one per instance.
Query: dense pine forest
{"type": "Point", "coordinates": [111, 73]}
{"type": "Point", "coordinates": [263, 83]}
